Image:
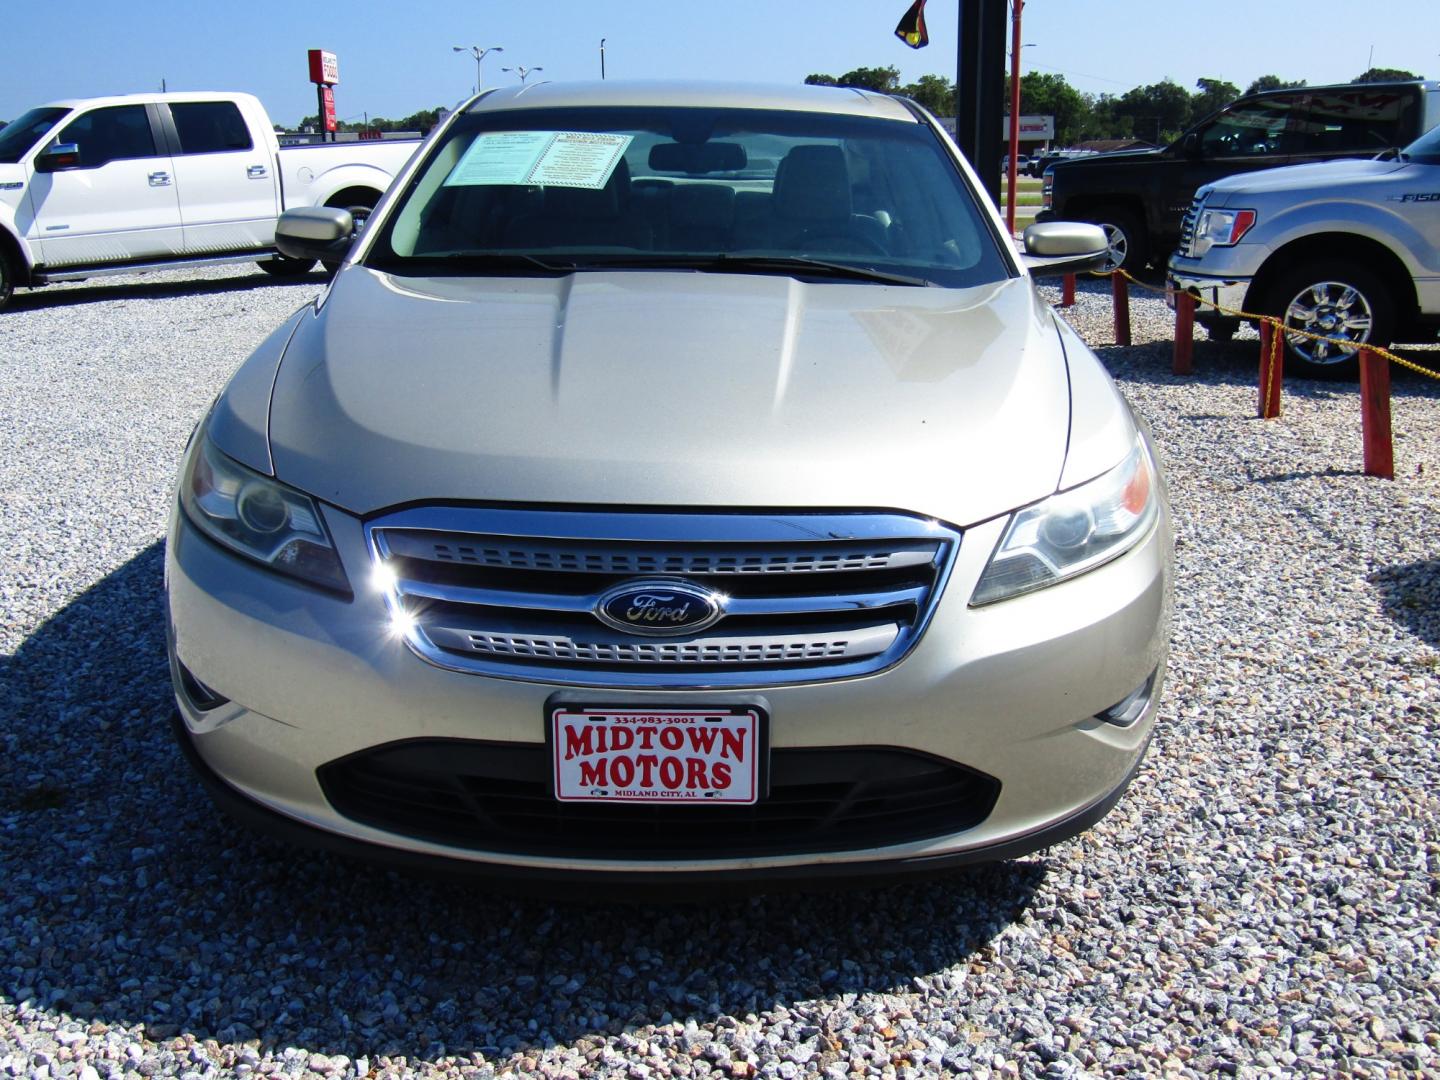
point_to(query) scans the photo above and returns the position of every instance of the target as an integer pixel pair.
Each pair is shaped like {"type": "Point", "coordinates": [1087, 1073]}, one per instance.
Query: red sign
{"type": "Point", "coordinates": [324, 67]}
{"type": "Point", "coordinates": [327, 115]}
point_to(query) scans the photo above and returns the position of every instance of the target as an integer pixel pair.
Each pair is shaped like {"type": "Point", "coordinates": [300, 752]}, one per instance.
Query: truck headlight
{"type": "Point", "coordinates": [1221, 228]}
{"type": "Point", "coordinates": [1073, 531]}
{"type": "Point", "coordinates": [258, 517]}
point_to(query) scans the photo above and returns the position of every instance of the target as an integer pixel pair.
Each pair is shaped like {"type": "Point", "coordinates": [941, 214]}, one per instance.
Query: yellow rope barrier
{"type": "Point", "coordinates": [1278, 325]}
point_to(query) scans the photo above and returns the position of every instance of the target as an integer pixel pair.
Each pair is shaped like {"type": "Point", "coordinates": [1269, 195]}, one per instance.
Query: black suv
{"type": "Point", "coordinates": [1140, 196]}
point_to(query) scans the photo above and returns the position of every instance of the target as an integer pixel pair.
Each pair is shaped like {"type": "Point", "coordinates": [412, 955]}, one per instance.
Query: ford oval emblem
{"type": "Point", "coordinates": [659, 608]}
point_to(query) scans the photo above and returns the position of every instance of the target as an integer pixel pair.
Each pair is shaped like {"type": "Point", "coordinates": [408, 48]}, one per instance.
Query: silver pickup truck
{"type": "Point", "coordinates": [1347, 249]}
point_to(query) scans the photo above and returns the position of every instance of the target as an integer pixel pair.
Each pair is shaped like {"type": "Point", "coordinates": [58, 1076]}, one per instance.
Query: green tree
{"type": "Point", "coordinates": [934, 93]}
{"type": "Point", "coordinates": [1213, 94]}
{"type": "Point", "coordinates": [1272, 82]}
{"type": "Point", "coordinates": [883, 80]}
{"type": "Point", "coordinates": [1385, 75]}
{"type": "Point", "coordinates": [1158, 112]}
{"type": "Point", "coordinates": [820, 80]}
{"type": "Point", "coordinates": [1051, 95]}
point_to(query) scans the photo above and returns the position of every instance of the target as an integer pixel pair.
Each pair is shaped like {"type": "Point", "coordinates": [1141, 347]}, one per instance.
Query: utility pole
{"type": "Point", "coordinates": [1016, 8]}
{"type": "Point", "coordinates": [980, 89]}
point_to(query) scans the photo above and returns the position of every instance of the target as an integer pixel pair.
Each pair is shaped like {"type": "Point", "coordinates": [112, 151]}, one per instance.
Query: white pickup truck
{"type": "Point", "coordinates": [117, 184]}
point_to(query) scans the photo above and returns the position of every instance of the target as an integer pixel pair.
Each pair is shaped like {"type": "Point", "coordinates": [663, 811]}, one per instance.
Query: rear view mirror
{"type": "Point", "coordinates": [58, 158]}
{"type": "Point", "coordinates": [694, 158]}
{"type": "Point", "coordinates": [315, 232]}
{"type": "Point", "coordinates": [1064, 247]}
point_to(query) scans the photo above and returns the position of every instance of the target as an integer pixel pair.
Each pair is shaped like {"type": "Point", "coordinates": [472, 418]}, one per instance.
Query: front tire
{"type": "Point", "coordinates": [282, 266]}
{"type": "Point", "coordinates": [359, 213]}
{"type": "Point", "coordinates": [1125, 234]}
{"type": "Point", "coordinates": [1340, 300]}
{"type": "Point", "coordinates": [1220, 330]}
{"type": "Point", "coordinates": [7, 279]}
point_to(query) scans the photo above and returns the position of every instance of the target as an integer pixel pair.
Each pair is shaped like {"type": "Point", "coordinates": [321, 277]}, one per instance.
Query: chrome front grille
{"type": "Point", "coordinates": [514, 593]}
{"type": "Point", "coordinates": [1187, 228]}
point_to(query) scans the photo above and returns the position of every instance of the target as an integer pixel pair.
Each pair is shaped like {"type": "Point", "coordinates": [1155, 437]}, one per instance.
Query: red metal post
{"type": "Point", "coordinates": [1067, 291]}
{"type": "Point", "coordinates": [1120, 294]}
{"type": "Point", "coordinates": [1375, 415]}
{"type": "Point", "coordinates": [1184, 333]}
{"type": "Point", "coordinates": [1016, 6]}
{"type": "Point", "coordinates": [1272, 369]}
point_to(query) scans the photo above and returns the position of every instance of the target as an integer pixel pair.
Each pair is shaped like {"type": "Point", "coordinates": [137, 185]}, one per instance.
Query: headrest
{"type": "Point", "coordinates": [813, 184]}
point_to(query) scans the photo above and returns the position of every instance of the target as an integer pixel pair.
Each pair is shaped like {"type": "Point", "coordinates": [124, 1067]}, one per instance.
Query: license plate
{"type": "Point", "coordinates": [656, 755]}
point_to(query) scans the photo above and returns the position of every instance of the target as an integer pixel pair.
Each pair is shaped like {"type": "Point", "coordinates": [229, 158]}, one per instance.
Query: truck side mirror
{"type": "Point", "coordinates": [1190, 145]}
{"type": "Point", "coordinates": [58, 158]}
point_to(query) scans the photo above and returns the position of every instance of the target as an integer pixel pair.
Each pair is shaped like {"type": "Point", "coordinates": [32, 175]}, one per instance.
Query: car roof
{"type": "Point", "coordinates": [132, 99]}
{"type": "Point", "coordinates": [612, 93]}
{"type": "Point", "coordinates": [1329, 87]}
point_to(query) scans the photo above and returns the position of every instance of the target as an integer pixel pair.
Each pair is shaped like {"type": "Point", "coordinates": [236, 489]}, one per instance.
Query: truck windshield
{"type": "Point", "coordinates": [21, 134]}
{"type": "Point", "coordinates": [1425, 149]}
{"type": "Point", "coordinates": [710, 189]}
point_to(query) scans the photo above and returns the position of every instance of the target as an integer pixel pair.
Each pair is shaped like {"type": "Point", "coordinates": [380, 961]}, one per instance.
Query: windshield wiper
{"type": "Point", "coordinates": [505, 260]}
{"type": "Point", "coordinates": [793, 265]}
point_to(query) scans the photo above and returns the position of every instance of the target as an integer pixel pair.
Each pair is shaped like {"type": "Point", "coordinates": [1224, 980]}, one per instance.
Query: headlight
{"type": "Point", "coordinates": [258, 517]}
{"type": "Point", "coordinates": [1073, 531]}
{"type": "Point", "coordinates": [1221, 228]}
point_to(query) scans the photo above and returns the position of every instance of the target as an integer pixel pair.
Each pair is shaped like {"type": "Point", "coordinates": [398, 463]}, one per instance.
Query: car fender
{"type": "Point", "coordinates": [330, 183]}
{"type": "Point", "coordinates": [14, 240]}
{"type": "Point", "coordinates": [1375, 221]}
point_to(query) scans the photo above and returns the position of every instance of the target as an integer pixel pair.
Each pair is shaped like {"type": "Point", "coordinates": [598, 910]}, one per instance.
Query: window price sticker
{"type": "Point", "coordinates": [576, 159]}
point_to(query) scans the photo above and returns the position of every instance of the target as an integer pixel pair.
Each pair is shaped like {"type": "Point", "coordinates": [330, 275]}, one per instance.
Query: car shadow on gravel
{"type": "Point", "coordinates": [1410, 595]}
{"type": "Point", "coordinates": [125, 898]}
{"type": "Point", "coordinates": [97, 289]}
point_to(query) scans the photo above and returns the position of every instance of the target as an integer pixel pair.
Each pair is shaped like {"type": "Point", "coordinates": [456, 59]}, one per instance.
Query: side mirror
{"type": "Point", "coordinates": [1190, 145]}
{"type": "Point", "coordinates": [1064, 247]}
{"type": "Point", "coordinates": [314, 232]}
{"type": "Point", "coordinates": [58, 158]}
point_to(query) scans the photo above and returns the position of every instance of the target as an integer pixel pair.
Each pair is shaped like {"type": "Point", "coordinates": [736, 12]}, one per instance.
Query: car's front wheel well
{"type": "Point", "coordinates": [10, 251]}
{"type": "Point", "coordinates": [348, 198]}
{"type": "Point", "coordinates": [1330, 248]}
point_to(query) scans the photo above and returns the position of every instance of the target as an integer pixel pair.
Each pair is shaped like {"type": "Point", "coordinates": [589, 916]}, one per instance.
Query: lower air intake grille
{"type": "Point", "coordinates": [496, 797]}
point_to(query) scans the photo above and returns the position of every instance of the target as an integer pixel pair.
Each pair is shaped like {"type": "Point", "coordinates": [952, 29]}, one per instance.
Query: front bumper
{"type": "Point", "coordinates": [1214, 292]}
{"type": "Point", "coordinates": [1012, 690]}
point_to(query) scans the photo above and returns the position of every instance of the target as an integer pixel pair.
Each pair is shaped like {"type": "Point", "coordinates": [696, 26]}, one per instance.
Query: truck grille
{"type": "Point", "coordinates": [515, 593]}
{"type": "Point", "coordinates": [1187, 228]}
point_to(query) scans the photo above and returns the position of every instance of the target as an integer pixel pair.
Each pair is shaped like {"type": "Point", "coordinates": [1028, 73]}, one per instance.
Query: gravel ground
{"type": "Point", "coordinates": [1263, 900]}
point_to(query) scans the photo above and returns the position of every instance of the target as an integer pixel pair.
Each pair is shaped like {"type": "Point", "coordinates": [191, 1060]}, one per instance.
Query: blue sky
{"type": "Point", "coordinates": [397, 58]}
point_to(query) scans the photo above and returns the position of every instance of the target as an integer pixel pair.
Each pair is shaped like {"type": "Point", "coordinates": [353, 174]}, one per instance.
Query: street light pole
{"type": "Point", "coordinates": [479, 54]}
{"type": "Point", "coordinates": [602, 58]}
{"type": "Point", "coordinates": [523, 72]}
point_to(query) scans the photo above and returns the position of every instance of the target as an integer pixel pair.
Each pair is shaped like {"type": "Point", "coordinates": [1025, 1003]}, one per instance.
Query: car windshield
{"type": "Point", "coordinates": [21, 134]}
{"type": "Point", "coordinates": [1425, 149]}
{"type": "Point", "coordinates": [751, 191]}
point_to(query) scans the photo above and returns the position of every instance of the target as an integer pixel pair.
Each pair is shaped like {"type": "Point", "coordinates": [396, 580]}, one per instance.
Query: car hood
{"type": "Point", "coordinates": [1289, 179]}
{"type": "Point", "coordinates": [673, 389]}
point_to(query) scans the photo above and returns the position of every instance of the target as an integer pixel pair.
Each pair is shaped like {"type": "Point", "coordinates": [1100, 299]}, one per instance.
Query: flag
{"type": "Point", "coordinates": [912, 27]}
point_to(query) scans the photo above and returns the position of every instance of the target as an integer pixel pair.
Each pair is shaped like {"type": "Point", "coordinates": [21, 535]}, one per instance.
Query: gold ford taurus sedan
{"type": "Point", "coordinates": [676, 483]}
